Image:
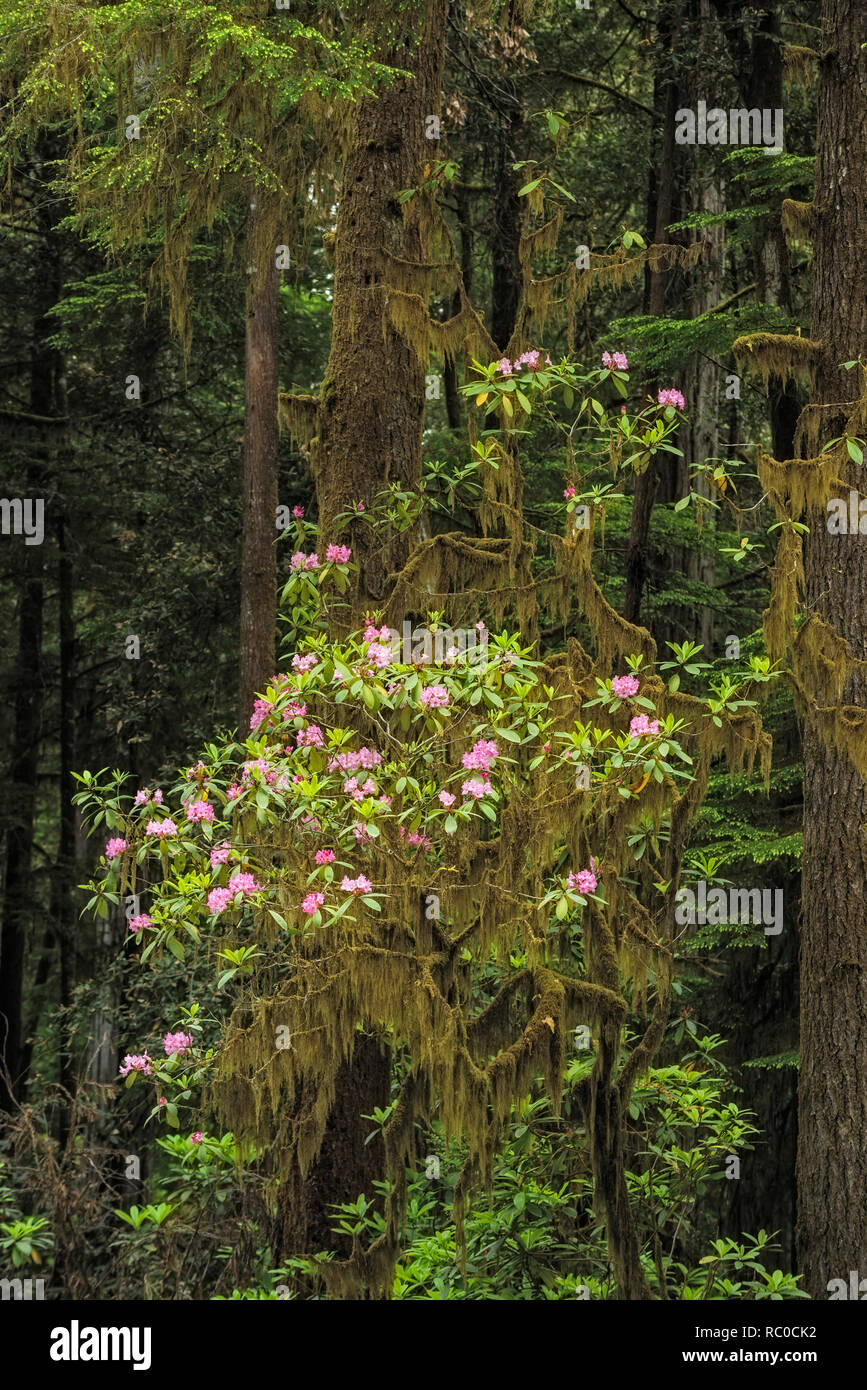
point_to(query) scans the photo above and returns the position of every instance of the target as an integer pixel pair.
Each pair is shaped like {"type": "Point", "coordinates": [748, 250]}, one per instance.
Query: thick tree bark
{"type": "Point", "coordinates": [372, 401]}
{"type": "Point", "coordinates": [764, 91]}
{"type": "Point", "coordinates": [370, 432]}
{"type": "Point", "coordinates": [832, 1158]}
{"type": "Point", "coordinates": [660, 211]}
{"type": "Point", "coordinates": [258, 536]}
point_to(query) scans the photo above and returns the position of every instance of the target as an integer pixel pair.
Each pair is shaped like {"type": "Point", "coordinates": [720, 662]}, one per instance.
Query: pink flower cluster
{"type": "Point", "coordinates": [220, 854]}
{"type": "Point", "coordinates": [199, 1136]}
{"type": "Point", "coordinates": [642, 727]}
{"type": "Point", "coordinates": [177, 1042]}
{"type": "Point", "coordinates": [481, 756]}
{"type": "Point", "coordinates": [530, 360]}
{"type": "Point", "coordinates": [325, 856]}
{"type": "Point", "coordinates": [311, 737]}
{"type": "Point", "coordinates": [584, 881]}
{"type": "Point", "coordinates": [140, 923]}
{"type": "Point", "coordinates": [115, 848]}
{"type": "Point", "coordinates": [671, 397]}
{"type": "Point", "coordinates": [358, 791]}
{"type": "Point", "coordinates": [475, 788]}
{"type": "Point", "coordinates": [348, 762]}
{"type": "Point", "coordinates": [300, 561]}
{"type": "Point", "coordinates": [304, 662]}
{"type": "Point", "coordinates": [145, 795]}
{"type": "Point", "coordinates": [416, 838]}
{"type": "Point", "coordinates": [568, 492]}
{"type": "Point", "coordinates": [616, 359]}
{"type": "Point", "coordinates": [356, 886]}
{"type": "Point", "coordinates": [220, 898]}
{"type": "Point", "coordinates": [260, 765]}
{"type": "Point", "coordinates": [132, 1062]}
{"type": "Point", "coordinates": [298, 513]}
{"type": "Point", "coordinates": [200, 810]}
{"type": "Point", "coordinates": [161, 828]}
{"type": "Point", "coordinates": [446, 799]}
{"type": "Point", "coordinates": [312, 903]}
{"type": "Point", "coordinates": [435, 697]}
{"type": "Point", "coordinates": [624, 687]}
{"type": "Point", "coordinates": [338, 554]}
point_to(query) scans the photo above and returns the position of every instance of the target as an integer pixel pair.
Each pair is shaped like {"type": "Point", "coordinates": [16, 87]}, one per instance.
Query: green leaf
{"type": "Point", "coordinates": [176, 948]}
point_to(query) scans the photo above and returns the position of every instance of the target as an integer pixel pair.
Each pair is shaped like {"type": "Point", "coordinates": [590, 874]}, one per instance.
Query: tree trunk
{"type": "Point", "coordinates": [18, 908]}
{"type": "Point", "coordinates": [258, 536]}
{"type": "Point", "coordinates": [372, 402]}
{"type": "Point", "coordinates": [660, 210]}
{"type": "Point", "coordinates": [371, 418]}
{"type": "Point", "coordinates": [832, 1158]}
{"type": "Point", "coordinates": [765, 92]}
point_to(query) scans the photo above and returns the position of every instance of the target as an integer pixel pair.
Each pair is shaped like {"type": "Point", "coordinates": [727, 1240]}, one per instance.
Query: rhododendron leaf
{"type": "Point", "coordinates": [510, 735]}
{"type": "Point", "coordinates": [561, 911]}
{"type": "Point", "coordinates": [487, 810]}
{"type": "Point", "coordinates": [176, 948]}
{"type": "Point", "coordinates": [451, 825]}
{"type": "Point", "coordinates": [371, 903]}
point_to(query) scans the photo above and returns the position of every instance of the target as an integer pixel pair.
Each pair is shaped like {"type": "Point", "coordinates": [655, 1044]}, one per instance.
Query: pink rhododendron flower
{"type": "Point", "coordinates": [356, 886]}
{"type": "Point", "coordinates": [244, 883]}
{"type": "Point", "coordinates": [298, 513]}
{"type": "Point", "coordinates": [585, 881]}
{"type": "Point", "coordinates": [482, 754]}
{"type": "Point", "coordinates": [200, 810]}
{"type": "Point", "coordinates": [132, 1062]}
{"type": "Point", "coordinates": [305, 662]}
{"type": "Point", "coordinates": [233, 791]}
{"type": "Point", "coordinates": [435, 697]}
{"type": "Point", "coordinates": [177, 1042]}
{"type": "Point", "coordinates": [325, 856]}
{"type": "Point", "coordinates": [199, 1136]}
{"type": "Point", "coordinates": [379, 654]}
{"type": "Point", "coordinates": [161, 828]}
{"type": "Point", "coordinates": [529, 360]}
{"type": "Point", "coordinates": [475, 788]}
{"type": "Point", "coordinates": [294, 711]}
{"type": "Point", "coordinates": [338, 554]}
{"type": "Point", "coordinates": [300, 561]}
{"type": "Point", "coordinates": [625, 687]}
{"type": "Point", "coordinates": [142, 797]}
{"type": "Point", "coordinates": [447, 799]}
{"type": "Point", "coordinates": [671, 397]}
{"type": "Point", "coordinates": [311, 737]}
{"type": "Point", "coordinates": [504, 367]}
{"type": "Point", "coordinates": [349, 762]}
{"type": "Point", "coordinates": [312, 903]}
{"type": "Point", "coordinates": [115, 848]}
{"type": "Point", "coordinates": [568, 492]}
{"type": "Point", "coordinates": [641, 726]}
{"type": "Point", "coordinates": [261, 710]}
{"type": "Point", "coordinates": [617, 359]}
{"type": "Point", "coordinates": [220, 854]}
{"type": "Point", "coordinates": [416, 838]}
{"type": "Point", "coordinates": [362, 835]}
{"type": "Point", "coordinates": [219, 899]}
{"type": "Point", "coordinates": [140, 923]}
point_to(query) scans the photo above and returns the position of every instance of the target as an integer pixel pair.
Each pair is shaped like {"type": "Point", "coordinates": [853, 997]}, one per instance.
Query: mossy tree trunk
{"type": "Point", "coordinates": [259, 506]}
{"type": "Point", "coordinates": [372, 403]}
{"type": "Point", "coordinates": [832, 1159]}
{"type": "Point", "coordinates": [370, 425]}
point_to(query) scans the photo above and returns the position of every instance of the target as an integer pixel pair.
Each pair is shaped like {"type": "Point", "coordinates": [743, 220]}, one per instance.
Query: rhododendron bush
{"type": "Point", "coordinates": [441, 855]}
